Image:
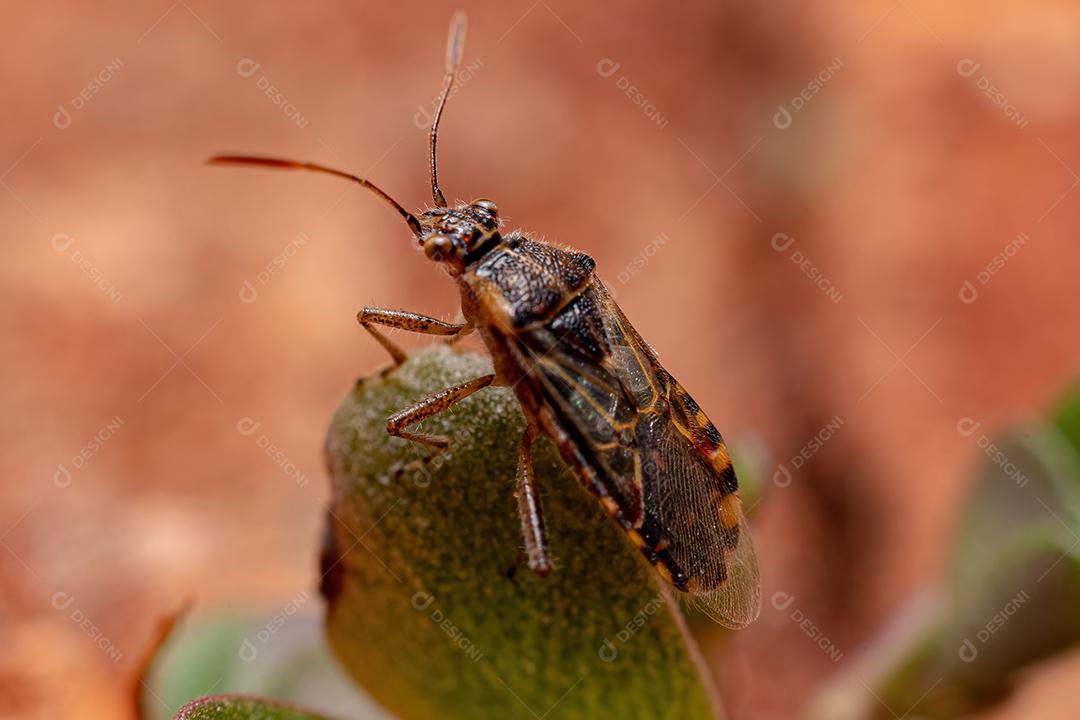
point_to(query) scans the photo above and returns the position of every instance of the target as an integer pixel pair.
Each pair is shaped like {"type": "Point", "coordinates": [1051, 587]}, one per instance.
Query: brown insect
{"type": "Point", "coordinates": [585, 379]}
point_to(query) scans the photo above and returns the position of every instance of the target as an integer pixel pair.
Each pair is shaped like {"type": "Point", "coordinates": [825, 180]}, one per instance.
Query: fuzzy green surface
{"type": "Point", "coordinates": [237, 707]}
{"type": "Point", "coordinates": [422, 610]}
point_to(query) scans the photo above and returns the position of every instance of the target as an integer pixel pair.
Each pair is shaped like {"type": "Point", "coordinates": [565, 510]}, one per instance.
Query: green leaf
{"type": "Point", "coordinates": [429, 608]}
{"type": "Point", "coordinates": [284, 655]}
{"type": "Point", "coordinates": [1011, 600]}
{"type": "Point", "coordinates": [197, 660]}
{"type": "Point", "coordinates": [239, 707]}
{"type": "Point", "coordinates": [1066, 417]}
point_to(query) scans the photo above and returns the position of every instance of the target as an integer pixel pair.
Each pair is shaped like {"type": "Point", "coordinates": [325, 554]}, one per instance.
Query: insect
{"type": "Point", "coordinates": [585, 379]}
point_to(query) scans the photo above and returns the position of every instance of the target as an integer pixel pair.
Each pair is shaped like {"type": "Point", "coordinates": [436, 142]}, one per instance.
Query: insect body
{"type": "Point", "coordinates": [585, 379]}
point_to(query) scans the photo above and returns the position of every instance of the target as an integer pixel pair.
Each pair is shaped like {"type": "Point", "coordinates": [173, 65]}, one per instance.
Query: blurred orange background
{"type": "Point", "coordinates": [813, 211]}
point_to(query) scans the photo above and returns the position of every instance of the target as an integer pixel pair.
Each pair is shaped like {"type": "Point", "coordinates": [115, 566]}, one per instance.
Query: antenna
{"type": "Point", "coordinates": [455, 48]}
{"type": "Point", "coordinates": [281, 164]}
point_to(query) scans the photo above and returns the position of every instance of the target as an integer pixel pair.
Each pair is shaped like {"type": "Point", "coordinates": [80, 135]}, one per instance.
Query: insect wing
{"type": "Point", "coordinates": [737, 601]}
{"type": "Point", "coordinates": [692, 504]}
{"type": "Point", "coordinates": [651, 450]}
{"type": "Point", "coordinates": [698, 505]}
{"type": "Point", "coordinates": [708, 541]}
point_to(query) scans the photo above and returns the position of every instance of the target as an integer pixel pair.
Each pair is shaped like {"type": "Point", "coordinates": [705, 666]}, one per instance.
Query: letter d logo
{"type": "Point", "coordinates": [968, 294]}
{"type": "Point", "coordinates": [781, 118]}
{"type": "Point", "coordinates": [967, 67]}
{"type": "Point", "coordinates": [422, 600]}
{"type": "Point", "coordinates": [248, 294]}
{"type": "Point", "coordinates": [607, 67]}
{"type": "Point", "coordinates": [62, 477]}
{"type": "Point", "coordinates": [61, 118]}
{"type": "Point", "coordinates": [782, 600]}
{"type": "Point", "coordinates": [782, 476]}
{"type": "Point", "coordinates": [248, 652]}
{"type": "Point", "coordinates": [247, 67]}
{"type": "Point", "coordinates": [782, 241]}
{"type": "Point", "coordinates": [246, 426]}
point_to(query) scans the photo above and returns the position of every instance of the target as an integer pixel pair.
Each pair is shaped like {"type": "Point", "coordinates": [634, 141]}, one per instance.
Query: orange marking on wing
{"type": "Point", "coordinates": [720, 459]}
{"type": "Point", "coordinates": [702, 421]}
{"type": "Point", "coordinates": [729, 510]}
{"type": "Point", "coordinates": [665, 573]}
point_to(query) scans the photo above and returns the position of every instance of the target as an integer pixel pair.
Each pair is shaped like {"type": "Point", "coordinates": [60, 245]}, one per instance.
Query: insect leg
{"type": "Point", "coordinates": [532, 517]}
{"type": "Point", "coordinates": [403, 320]}
{"type": "Point", "coordinates": [432, 405]}
{"type": "Point", "coordinates": [467, 329]}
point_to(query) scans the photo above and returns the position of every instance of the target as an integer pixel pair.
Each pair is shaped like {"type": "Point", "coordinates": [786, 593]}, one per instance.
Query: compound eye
{"type": "Point", "coordinates": [488, 206]}
{"type": "Point", "coordinates": [438, 247]}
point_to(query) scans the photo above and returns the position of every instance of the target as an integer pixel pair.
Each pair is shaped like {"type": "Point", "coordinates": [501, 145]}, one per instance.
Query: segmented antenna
{"type": "Point", "coordinates": [455, 48]}
{"type": "Point", "coordinates": [282, 164]}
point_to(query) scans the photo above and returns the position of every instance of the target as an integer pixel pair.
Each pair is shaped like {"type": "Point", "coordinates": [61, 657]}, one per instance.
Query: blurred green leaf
{"type": "Point", "coordinates": [283, 655]}
{"type": "Point", "coordinates": [198, 660]}
{"type": "Point", "coordinates": [1012, 597]}
{"type": "Point", "coordinates": [1066, 416]}
{"type": "Point", "coordinates": [431, 610]}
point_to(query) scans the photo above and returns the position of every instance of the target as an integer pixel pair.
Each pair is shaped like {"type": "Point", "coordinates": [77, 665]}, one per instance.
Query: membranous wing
{"type": "Point", "coordinates": [643, 445]}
